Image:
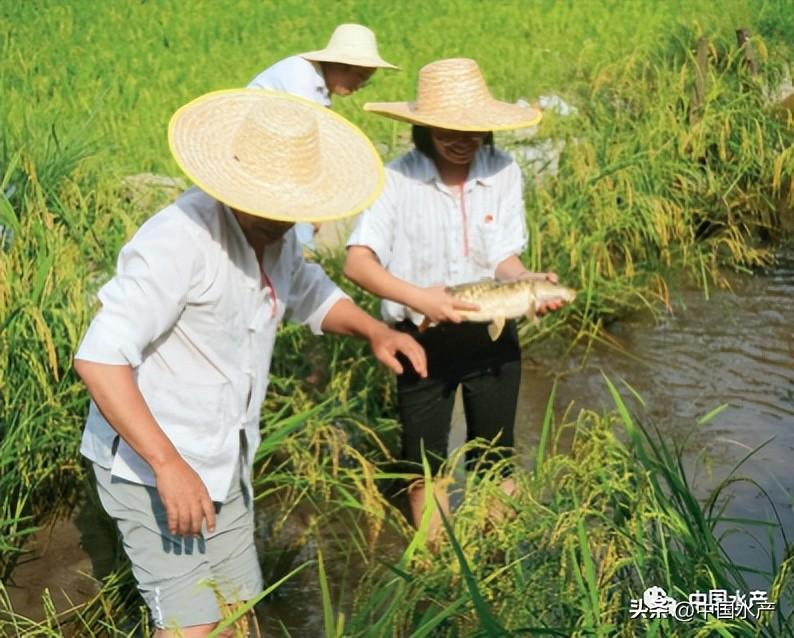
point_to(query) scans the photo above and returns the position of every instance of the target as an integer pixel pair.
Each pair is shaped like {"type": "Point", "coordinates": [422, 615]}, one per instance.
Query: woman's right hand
{"type": "Point", "coordinates": [437, 305]}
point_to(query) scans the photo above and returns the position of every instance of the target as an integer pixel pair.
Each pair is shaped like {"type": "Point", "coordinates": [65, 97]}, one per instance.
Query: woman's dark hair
{"type": "Point", "coordinates": [424, 142]}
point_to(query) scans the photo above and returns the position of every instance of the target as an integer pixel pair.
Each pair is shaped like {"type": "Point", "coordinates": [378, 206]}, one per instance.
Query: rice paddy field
{"type": "Point", "coordinates": [675, 170]}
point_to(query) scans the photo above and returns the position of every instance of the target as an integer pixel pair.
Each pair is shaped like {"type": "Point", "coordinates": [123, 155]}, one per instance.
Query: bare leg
{"type": "Point", "coordinates": [499, 512]}
{"type": "Point", "coordinates": [417, 499]}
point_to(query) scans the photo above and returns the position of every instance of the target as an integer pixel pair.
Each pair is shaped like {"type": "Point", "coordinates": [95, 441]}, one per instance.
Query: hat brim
{"type": "Point", "coordinates": [348, 57]}
{"type": "Point", "coordinates": [349, 172]}
{"type": "Point", "coordinates": [492, 115]}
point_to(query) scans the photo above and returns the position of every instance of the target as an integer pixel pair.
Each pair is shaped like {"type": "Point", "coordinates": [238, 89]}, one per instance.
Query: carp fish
{"type": "Point", "coordinates": [503, 300]}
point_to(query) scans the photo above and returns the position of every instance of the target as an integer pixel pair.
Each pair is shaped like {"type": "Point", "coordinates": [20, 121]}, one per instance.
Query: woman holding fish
{"type": "Point", "coordinates": [452, 212]}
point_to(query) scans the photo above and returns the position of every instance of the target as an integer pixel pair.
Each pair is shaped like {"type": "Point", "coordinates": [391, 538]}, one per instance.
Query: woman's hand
{"type": "Point", "coordinates": [551, 277]}
{"type": "Point", "coordinates": [438, 305]}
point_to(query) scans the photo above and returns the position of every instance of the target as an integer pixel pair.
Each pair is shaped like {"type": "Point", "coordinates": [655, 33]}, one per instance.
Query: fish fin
{"type": "Point", "coordinates": [495, 328]}
{"type": "Point", "coordinates": [424, 325]}
{"type": "Point", "coordinates": [532, 315]}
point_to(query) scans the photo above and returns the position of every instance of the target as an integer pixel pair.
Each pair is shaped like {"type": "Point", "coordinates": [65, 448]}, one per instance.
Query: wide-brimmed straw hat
{"type": "Point", "coordinates": [351, 44]}
{"type": "Point", "coordinates": [452, 94]}
{"type": "Point", "coordinates": [275, 155]}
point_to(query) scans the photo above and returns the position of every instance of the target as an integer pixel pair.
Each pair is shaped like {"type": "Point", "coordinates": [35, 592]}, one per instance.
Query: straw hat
{"type": "Point", "coordinates": [452, 94]}
{"type": "Point", "coordinates": [275, 155]}
{"type": "Point", "coordinates": [351, 44]}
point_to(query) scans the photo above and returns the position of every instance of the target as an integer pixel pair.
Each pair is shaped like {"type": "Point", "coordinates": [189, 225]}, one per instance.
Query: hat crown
{"type": "Point", "coordinates": [450, 85]}
{"type": "Point", "coordinates": [353, 37]}
{"type": "Point", "coordinates": [352, 44]}
{"type": "Point", "coordinates": [279, 143]}
{"type": "Point", "coordinates": [275, 155]}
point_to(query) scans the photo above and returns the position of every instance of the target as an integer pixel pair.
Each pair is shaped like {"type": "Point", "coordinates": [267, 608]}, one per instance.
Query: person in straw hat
{"type": "Point", "coordinates": [452, 212]}
{"type": "Point", "coordinates": [341, 68]}
{"type": "Point", "coordinates": [177, 359]}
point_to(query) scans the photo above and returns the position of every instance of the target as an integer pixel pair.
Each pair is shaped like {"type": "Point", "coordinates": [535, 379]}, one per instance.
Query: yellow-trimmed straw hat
{"type": "Point", "coordinates": [351, 44]}
{"type": "Point", "coordinates": [452, 94]}
{"type": "Point", "coordinates": [275, 155]}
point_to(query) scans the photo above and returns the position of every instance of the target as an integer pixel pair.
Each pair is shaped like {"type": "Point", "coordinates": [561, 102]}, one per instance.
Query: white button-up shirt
{"type": "Point", "coordinates": [297, 76]}
{"type": "Point", "coordinates": [424, 234]}
{"type": "Point", "coordinates": [187, 310]}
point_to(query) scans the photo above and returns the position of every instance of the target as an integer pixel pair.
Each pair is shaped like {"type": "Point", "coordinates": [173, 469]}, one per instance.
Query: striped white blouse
{"type": "Point", "coordinates": [423, 234]}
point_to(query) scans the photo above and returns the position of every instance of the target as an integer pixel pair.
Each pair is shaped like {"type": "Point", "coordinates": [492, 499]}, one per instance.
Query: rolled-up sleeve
{"type": "Point", "coordinates": [513, 237]}
{"type": "Point", "coordinates": [154, 274]}
{"type": "Point", "coordinates": [375, 227]}
{"type": "Point", "coordinates": [312, 293]}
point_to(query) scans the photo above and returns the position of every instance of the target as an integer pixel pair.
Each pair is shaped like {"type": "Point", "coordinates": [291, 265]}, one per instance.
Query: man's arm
{"type": "Point", "coordinates": [113, 389]}
{"type": "Point", "coordinates": [155, 272]}
{"type": "Point", "coordinates": [346, 318]}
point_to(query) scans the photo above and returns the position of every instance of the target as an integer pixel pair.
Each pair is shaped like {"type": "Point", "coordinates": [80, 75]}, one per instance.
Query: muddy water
{"type": "Point", "coordinates": [734, 350]}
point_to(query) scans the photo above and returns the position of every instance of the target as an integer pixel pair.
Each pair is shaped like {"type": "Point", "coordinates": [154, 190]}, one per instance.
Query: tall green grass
{"type": "Point", "coordinates": [44, 306]}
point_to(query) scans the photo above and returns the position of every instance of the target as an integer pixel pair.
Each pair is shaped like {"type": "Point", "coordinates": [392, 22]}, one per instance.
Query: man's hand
{"type": "Point", "coordinates": [346, 318]}
{"type": "Point", "coordinates": [116, 394]}
{"type": "Point", "coordinates": [185, 497]}
{"type": "Point", "coordinates": [386, 343]}
{"type": "Point", "coordinates": [438, 305]}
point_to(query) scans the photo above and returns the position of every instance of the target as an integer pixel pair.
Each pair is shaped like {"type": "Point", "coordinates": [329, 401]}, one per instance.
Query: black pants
{"type": "Point", "coordinates": [489, 373]}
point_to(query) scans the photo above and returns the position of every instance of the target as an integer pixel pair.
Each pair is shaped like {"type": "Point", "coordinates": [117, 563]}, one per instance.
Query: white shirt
{"type": "Point", "coordinates": [423, 234]}
{"type": "Point", "coordinates": [186, 309]}
{"type": "Point", "coordinates": [297, 76]}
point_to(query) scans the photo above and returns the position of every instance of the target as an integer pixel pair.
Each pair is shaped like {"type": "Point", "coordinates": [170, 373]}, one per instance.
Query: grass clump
{"type": "Point", "coordinates": [593, 529]}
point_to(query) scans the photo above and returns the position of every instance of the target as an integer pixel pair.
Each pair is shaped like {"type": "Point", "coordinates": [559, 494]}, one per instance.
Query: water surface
{"type": "Point", "coordinates": [735, 349]}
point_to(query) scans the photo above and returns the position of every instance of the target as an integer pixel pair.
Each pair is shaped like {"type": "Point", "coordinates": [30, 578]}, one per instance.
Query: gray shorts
{"type": "Point", "coordinates": [179, 577]}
